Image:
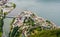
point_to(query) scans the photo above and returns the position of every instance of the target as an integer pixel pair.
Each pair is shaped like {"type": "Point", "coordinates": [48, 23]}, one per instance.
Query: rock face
{"type": "Point", "coordinates": [27, 22]}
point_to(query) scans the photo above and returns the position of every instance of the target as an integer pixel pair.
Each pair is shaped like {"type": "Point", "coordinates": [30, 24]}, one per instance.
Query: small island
{"type": "Point", "coordinates": [28, 24]}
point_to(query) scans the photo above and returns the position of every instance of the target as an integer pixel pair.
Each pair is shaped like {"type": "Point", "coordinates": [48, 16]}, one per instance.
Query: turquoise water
{"type": "Point", "coordinates": [47, 9]}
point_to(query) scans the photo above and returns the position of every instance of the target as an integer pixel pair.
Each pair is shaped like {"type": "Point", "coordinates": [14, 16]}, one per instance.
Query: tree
{"type": "Point", "coordinates": [14, 31]}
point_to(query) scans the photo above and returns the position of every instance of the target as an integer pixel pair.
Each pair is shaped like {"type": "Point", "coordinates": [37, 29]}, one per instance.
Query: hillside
{"type": "Point", "coordinates": [28, 24]}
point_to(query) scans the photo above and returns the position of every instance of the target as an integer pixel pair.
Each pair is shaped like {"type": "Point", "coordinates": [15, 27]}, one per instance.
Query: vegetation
{"type": "Point", "coordinates": [1, 27]}
{"type": "Point", "coordinates": [14, 5]}
{"type": "Point", "coordinates": [29, 21]}
{"type": "Point", "coordinates": [48, 21]}
{"type": "Point", "coordinates": [1, 22]}
{"type": "Point", "coordinates": [11, 25]}
{"type": "Point", "coordinates": [47, 33]}
{"type": "Point", "coordinates": [14, 31]}
{"type": "Point", "coordinates": [18, 33]}
{"type": "Point", "coordinates": [0, 34]}
{"type": "Point", "coordinates": [12, 21]}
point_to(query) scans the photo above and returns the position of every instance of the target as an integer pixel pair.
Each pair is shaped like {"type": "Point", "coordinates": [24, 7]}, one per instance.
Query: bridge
{"type": "Point", "coordinates": [8, 16]}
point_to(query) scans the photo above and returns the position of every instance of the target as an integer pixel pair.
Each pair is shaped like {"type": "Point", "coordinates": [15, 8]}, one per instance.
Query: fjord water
{"type": "Point", "coordinates": [47, 9]}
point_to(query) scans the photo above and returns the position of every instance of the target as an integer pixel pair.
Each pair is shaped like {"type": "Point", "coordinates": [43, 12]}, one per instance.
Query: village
{"type": "Point", "coordinates": [27, 20]}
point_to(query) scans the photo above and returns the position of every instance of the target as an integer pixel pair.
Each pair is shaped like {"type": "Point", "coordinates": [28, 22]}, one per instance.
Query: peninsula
{"type": "Point", "coordinates": [28, 24]}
